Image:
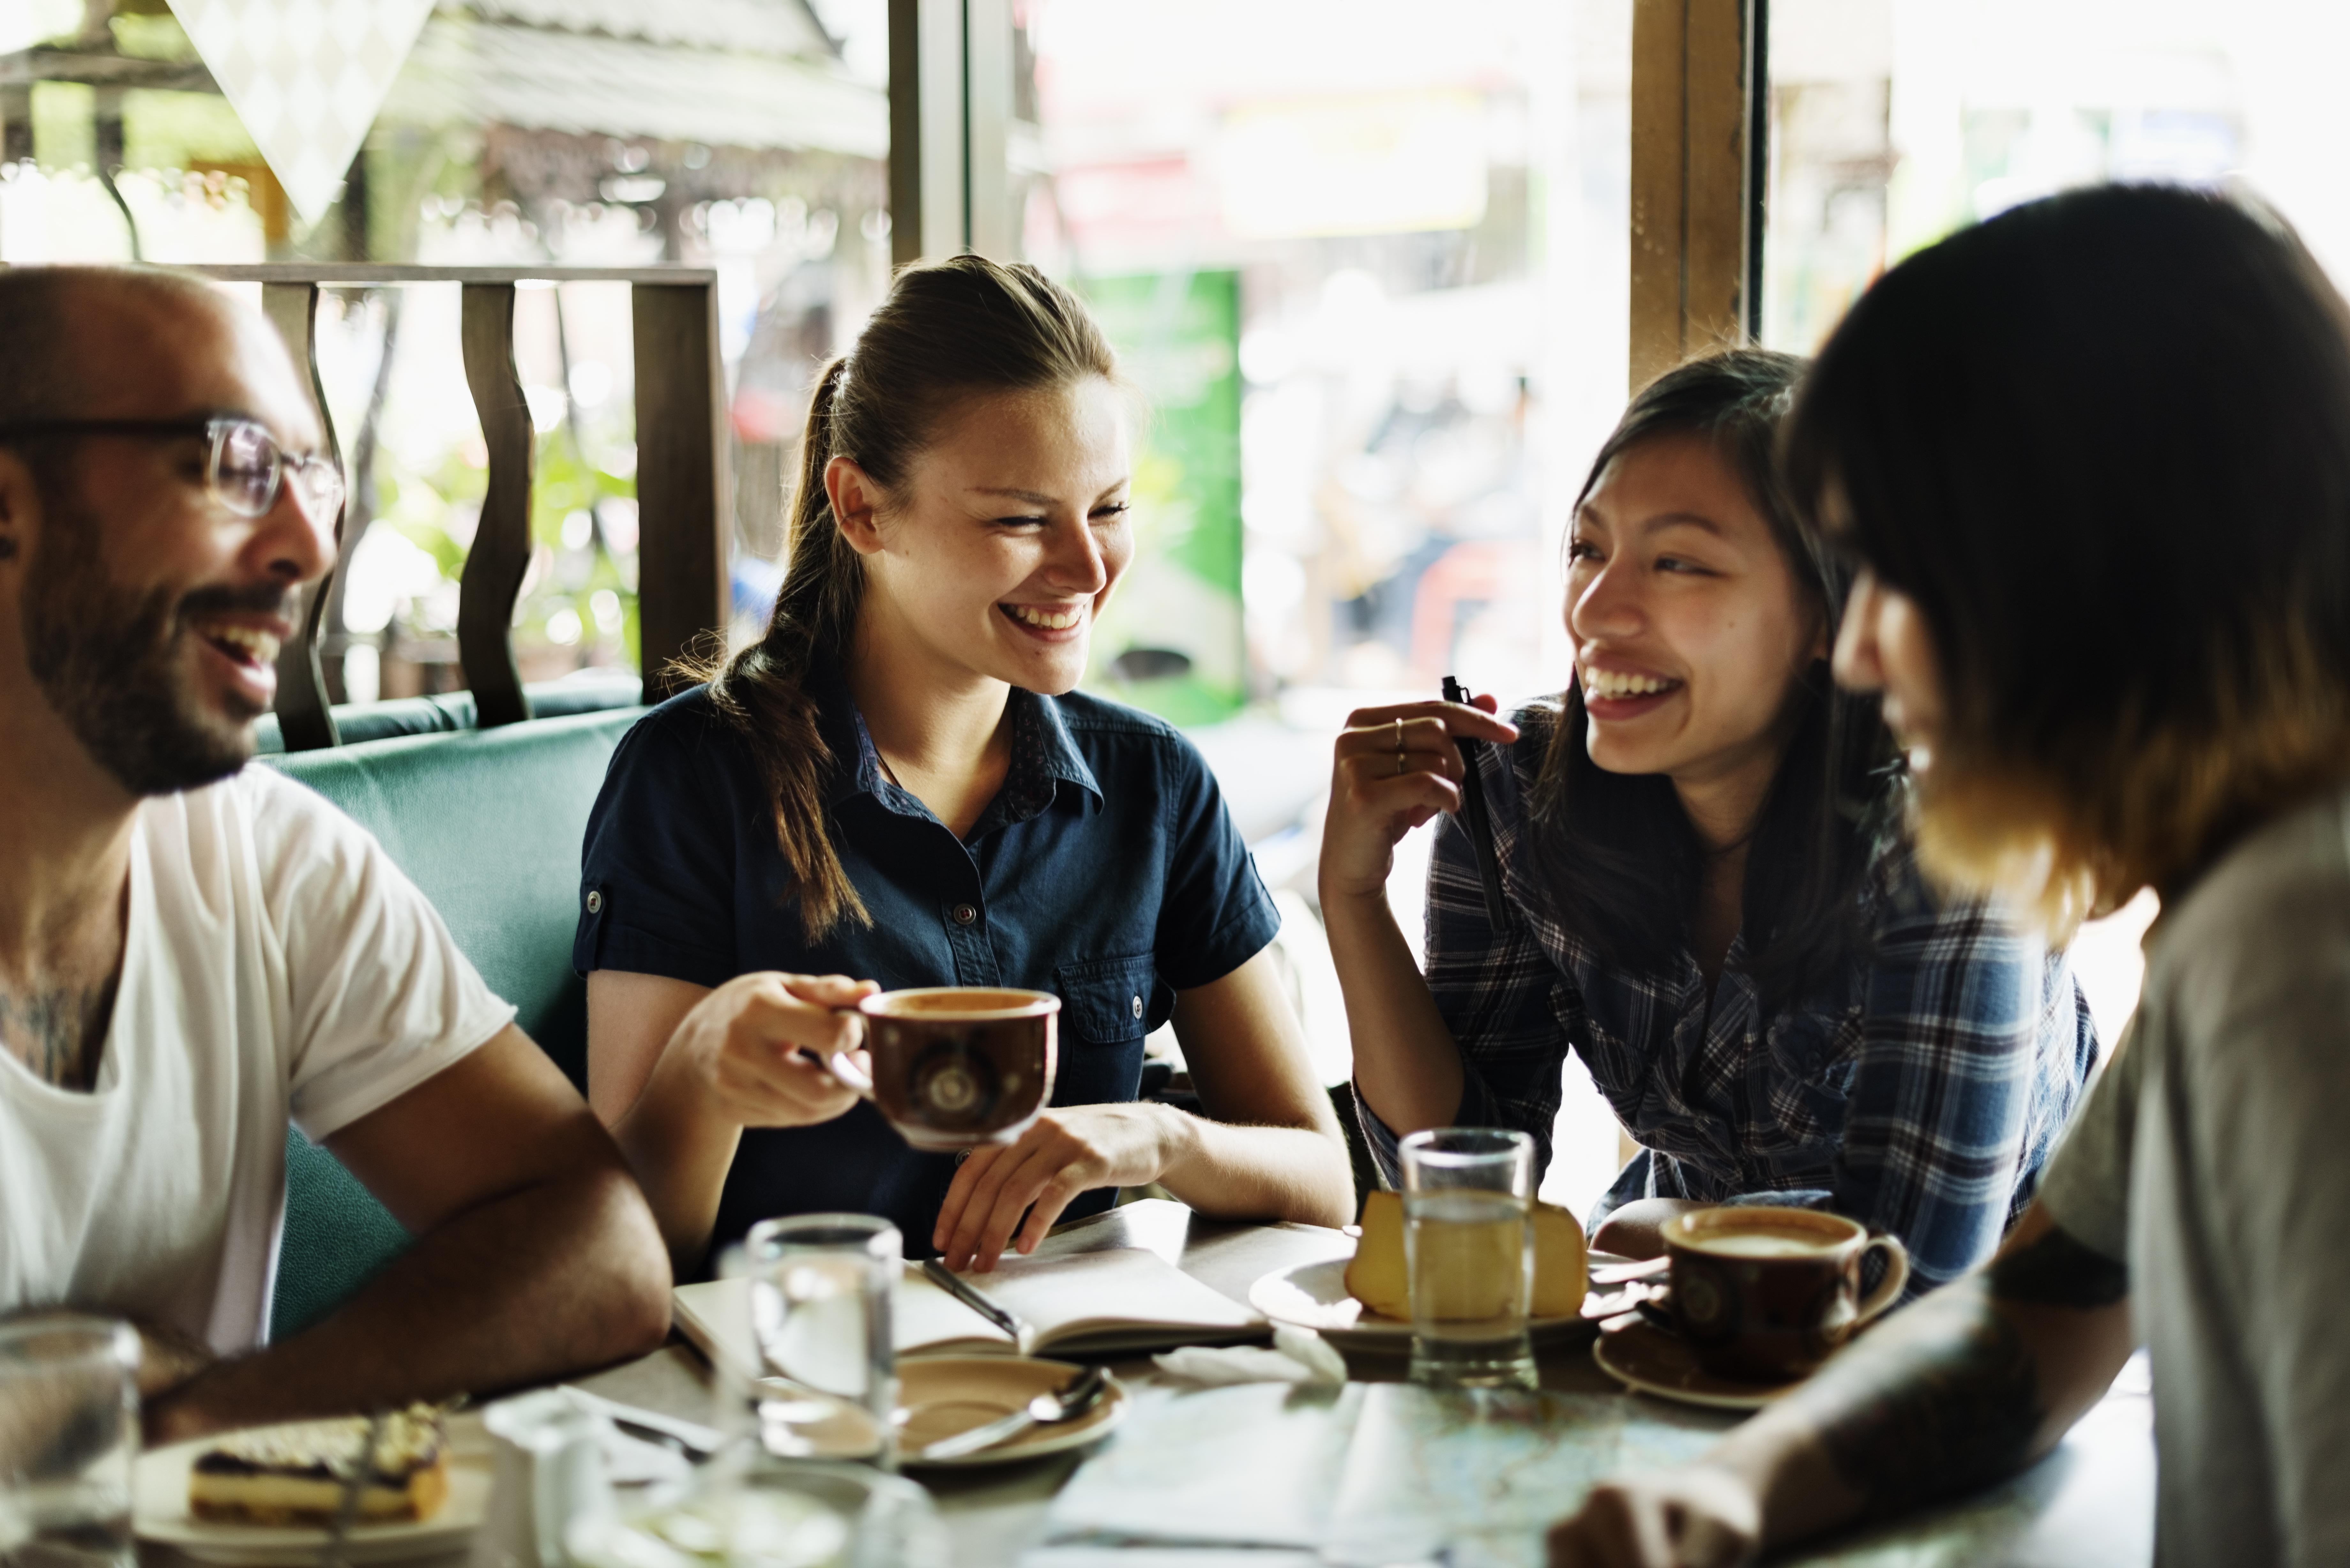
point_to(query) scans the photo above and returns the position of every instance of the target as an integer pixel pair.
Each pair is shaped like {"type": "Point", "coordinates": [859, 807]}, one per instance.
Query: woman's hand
{"type": "Point", "coordinates": [1396, 767]}
{"type": "Point", "coordinates": [1693, 1518]}
{"type": "Point", "coordinates": [753, 1051]}
{"type": "Point", "coordinates": [1066, 1151]}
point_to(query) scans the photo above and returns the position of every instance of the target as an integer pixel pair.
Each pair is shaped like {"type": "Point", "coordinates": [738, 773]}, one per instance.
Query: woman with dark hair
{"type": "Point", "coordinates": [897, 782]}
{"type": "Point", "coordinates": [2104, 535]}
{"type": "Point", "coordinates": [1710, 899]}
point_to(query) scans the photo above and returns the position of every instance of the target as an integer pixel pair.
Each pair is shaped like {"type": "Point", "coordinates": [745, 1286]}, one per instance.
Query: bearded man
{"type": "Point", "coordinates": [192, 952]}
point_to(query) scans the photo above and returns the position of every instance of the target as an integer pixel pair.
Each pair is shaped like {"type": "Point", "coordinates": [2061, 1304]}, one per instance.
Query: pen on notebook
{"type": "Point", "coordinates": [1480, 819]}
{"type": "Point", "coordinates": [979, 1301]}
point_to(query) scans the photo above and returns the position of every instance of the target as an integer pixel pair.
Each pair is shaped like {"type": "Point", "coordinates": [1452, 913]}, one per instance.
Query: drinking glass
{"type": "Point", "coordinates": [1469, 1248]}
{"type": "Point", "coordinates": [823, 1290]}
{"type": "Point", "coordinates": [68, 1433]}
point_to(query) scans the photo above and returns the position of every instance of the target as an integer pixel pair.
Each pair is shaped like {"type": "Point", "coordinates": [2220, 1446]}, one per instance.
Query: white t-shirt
{"type": "Point", "coordinates": [276, 965]}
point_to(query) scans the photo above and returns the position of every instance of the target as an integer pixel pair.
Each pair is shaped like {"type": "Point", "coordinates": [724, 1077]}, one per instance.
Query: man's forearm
{"type": "Point", "coordinates": [1967, 1386]}
{"type": "Point", "coordinates": [562, 1275]}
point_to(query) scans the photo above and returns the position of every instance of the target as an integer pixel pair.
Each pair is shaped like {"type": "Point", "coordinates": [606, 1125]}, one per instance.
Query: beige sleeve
{"type": "Point", "coordinates": [2086, 1187]}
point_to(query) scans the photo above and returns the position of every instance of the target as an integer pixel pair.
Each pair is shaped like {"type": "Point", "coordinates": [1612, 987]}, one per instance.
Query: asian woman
{"type": "Point", "coordinates": [1709, 897]}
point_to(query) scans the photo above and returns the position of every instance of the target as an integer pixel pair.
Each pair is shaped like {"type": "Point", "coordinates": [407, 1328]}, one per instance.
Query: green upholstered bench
{"type": "Point", "coordinates": [489, 824]}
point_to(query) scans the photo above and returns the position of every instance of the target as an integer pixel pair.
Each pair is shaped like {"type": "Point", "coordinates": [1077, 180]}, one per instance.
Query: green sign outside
{"type": "Point", "coordinates": [1172, 640]}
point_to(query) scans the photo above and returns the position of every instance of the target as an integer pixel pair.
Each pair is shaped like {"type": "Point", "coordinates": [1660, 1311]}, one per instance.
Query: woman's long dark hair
{"type": "Point", "coordinates": [1620, 861]}
{"type": "Point", "coordinates": [950, 329]}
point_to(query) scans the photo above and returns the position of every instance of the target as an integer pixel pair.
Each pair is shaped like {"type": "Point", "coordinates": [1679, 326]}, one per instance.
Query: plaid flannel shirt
{"type": "Point", "coordinates": [1919, 1094]}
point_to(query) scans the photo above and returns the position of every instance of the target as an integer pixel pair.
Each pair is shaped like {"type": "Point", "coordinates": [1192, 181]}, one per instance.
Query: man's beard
{"type": "Point", "coordinates": [113, 662]}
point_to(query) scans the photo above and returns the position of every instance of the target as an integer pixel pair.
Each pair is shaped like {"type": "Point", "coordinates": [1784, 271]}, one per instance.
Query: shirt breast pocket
{"type": "Point", "coordinates": [1105, 1001]}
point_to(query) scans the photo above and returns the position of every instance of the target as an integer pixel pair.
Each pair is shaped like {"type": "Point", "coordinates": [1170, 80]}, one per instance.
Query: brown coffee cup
{"type": "Point", "coordinates": [957, 1065]}
{"type": "Point", "coordinates": [1768, 1293]}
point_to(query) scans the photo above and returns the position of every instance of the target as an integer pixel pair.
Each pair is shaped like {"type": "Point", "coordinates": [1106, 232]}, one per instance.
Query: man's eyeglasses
{"type": "Point", "coordinates": [244, 466]}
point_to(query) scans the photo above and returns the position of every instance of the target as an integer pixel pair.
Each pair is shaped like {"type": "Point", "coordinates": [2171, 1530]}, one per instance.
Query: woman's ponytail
{"type": "Point", "coordinates": [763, 691]}
{"type": "Point", "coordinates": [949, 329]}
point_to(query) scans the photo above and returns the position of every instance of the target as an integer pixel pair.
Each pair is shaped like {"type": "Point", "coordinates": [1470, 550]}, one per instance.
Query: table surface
{"type": "Point", "coordinates": [2089, 1504]}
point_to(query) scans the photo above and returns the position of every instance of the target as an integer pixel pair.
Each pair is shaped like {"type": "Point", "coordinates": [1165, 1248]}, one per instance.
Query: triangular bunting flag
{"type": "Point", "coordinates": [306, 78]}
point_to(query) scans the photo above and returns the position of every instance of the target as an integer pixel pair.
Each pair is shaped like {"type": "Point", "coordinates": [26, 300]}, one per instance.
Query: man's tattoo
{"type": "Point", "coordinates": [1965, 1407]}
{"type": "Point", "coordinates": [2057, 1271]}
{"type": "Point", "coordinates": [58, 1033]}
{"type": "Point", "coordinates": [1961, 1413]}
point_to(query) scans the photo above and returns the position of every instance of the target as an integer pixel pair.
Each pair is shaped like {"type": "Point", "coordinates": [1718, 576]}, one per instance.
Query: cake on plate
{"type": "Point", "coordinates": [295, 1473]}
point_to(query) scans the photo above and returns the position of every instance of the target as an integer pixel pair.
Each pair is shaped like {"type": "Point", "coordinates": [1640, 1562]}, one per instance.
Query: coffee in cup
{"type": "Point", "coordinates": [1768, 1293]}
{"type": "Point", "coordinates": [957, 1065]}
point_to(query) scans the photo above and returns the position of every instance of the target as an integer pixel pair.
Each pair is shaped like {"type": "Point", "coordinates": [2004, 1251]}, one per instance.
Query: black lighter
{"type": "Point", "coordinates": [1481, 820]}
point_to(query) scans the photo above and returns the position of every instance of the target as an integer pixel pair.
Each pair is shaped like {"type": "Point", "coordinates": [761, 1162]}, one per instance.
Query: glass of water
{"type": "Point", "coordinates": [823, 1290]}
{"type": "Point", "coordinates": [1469, 1248]}
{"type": "Point", "coordinates": [68, 1433]}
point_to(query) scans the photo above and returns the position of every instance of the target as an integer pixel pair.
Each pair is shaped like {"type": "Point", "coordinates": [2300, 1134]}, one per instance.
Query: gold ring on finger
{"type": "Point", "coordinates": [1402, 767]}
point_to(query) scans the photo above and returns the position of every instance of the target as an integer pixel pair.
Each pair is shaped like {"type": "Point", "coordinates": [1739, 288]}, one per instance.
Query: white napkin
{"type": "Point", "coordinates": [1298, 1355]}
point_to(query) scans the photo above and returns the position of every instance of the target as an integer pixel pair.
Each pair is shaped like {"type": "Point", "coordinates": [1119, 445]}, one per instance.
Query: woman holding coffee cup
{"type": "Point", "coordinates": [2093, 455]}
{"type": "Point", "coordinates": [896, 787]}
{"type": "Point", "coordinates": [1709, 897]}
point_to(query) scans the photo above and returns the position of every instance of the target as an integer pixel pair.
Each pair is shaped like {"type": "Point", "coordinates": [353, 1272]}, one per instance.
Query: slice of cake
{"type": "Point", "coordinates": [294, 1474]}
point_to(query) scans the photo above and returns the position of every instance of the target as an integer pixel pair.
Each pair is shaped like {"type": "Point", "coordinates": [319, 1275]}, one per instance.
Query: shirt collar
{"type": "Point", "coordinates": [1042, 751]}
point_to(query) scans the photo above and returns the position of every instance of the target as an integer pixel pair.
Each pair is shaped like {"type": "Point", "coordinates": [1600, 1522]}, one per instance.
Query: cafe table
{"type": "Point", "coordinates": [2089, 1504]}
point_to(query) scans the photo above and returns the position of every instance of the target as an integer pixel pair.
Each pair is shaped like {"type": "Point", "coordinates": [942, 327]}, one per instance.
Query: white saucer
{"type": "Point", "coordinates": [1314, 1295]}
{"type": "Point", "coordinates": [941, 1395]}
{"type": "Point", "coordinates": [160, 1513]}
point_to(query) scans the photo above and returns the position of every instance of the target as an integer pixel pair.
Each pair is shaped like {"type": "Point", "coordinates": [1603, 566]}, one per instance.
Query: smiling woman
{"type": "Point", "coordinates": [898, 787]}
{"type": "Point", "coordinates": [1710, 897]}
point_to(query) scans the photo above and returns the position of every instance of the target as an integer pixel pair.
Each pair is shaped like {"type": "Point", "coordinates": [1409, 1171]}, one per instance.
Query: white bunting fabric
{"type": "Point", "coordinates": [306, 78]}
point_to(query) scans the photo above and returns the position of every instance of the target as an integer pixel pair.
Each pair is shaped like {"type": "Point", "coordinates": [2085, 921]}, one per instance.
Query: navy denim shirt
{"type": "Point", "coordinates": [1104, 871]}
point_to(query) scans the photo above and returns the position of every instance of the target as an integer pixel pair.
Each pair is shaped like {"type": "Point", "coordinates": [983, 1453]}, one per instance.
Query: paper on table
{"type": "Point", "coordinates": [1478, 1475]}
{"type": "Point", "coordinates": [1254, 1465]}
{"type": "Point", "coordinates": [1121, 1298]}
{"type": "Point", "coordinates": [715, 1315]}
{"type": "Point", "coordinates": [1299, 1355]}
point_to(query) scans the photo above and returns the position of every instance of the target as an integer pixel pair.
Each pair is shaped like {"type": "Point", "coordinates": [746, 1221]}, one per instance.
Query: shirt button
{"type": "Point", "coordinates": [963, 914]}
{"type": "Point", "coordinates": [1138, 1007]}
{"type": "Point", "coordinates": [595, 902]}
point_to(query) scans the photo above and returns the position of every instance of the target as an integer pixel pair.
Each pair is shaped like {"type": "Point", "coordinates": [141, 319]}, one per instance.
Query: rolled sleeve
{"type": "Point", "coordinates": [1215, 915]}
{"type": "Point", "coordinates": [658, 869]}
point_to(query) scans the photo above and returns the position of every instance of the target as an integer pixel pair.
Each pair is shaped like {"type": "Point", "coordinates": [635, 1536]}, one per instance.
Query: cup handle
{"type": "Point", "coordinates": [848, 1072]}
{"type": "Point", "coordinates": [1897, 1274]}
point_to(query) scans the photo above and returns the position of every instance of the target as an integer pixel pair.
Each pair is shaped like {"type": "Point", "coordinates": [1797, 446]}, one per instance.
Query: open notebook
{"type": "Point", "coordinates": [1097, 1303]}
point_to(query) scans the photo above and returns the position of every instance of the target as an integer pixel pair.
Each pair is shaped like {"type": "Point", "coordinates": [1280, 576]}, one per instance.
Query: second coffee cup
{"type": "Point", "coordinates": [1768, 1293]}
{"type": "Point", "coordinates": [957, 1065]}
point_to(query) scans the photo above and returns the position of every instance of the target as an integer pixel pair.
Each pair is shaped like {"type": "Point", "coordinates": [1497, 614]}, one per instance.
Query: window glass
{"type": "Point", "coordinates": [739, 135]}
{"type": "Point", "coordinates": [1368, 260]}
{"type": "Point", "coordinates": [1418, 219]}
{"type": "Point", "coordinates": [1894, 121]}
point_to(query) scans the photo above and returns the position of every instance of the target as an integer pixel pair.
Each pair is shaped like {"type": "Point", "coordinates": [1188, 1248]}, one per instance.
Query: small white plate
{"type": "Point", "coordinates": [160, 1513]}
{"type": "Point", "coordinates": [941, 1395]}
{"type": "Point", "coordinates": [1314, 1295]}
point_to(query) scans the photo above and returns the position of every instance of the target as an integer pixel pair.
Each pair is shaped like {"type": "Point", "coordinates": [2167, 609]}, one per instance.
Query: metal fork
{"type": "Point", "coordinates": [347, 1509]}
